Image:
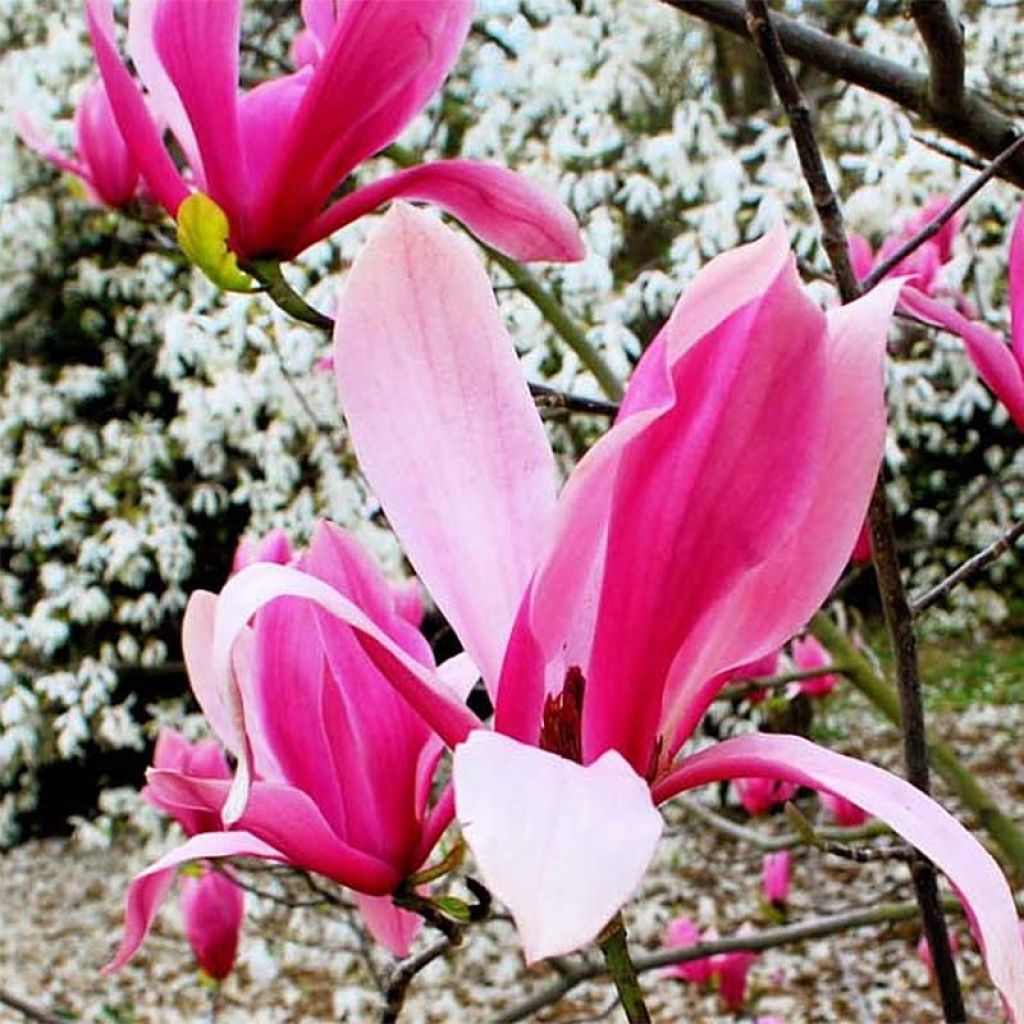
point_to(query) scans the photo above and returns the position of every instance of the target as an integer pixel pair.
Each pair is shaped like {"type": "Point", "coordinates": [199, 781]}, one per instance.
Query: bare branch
{"type": "Point", "coordinates": [27, 1010]}
{"type": "Point", "coordinates": [970, 568]}
{"type": "Point", "coordinates": [402, 976]}
{"type": "Point", "coordinates": [944, 39]}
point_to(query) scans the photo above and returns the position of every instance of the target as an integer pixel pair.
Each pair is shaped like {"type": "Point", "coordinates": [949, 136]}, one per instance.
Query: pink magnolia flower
{"type": "Point", "coordinates": [924, 951]}
{"type": "Point", "coordinates": [775, 876]}
{"type": "Point", "coordinates": [341, 766]}
{"type": "Point", "coordinates": [760, 795]}
{"type": "Point", "coordinates": [273, 547]}
{"type": "Point", "coordinates": [809, 654]}
{"type": "Point", "coordinates": [999, 365]}
{"type": "Point", "coordinates": [101, 161]}
{"type": "Point", "coordinates": [843, 812]}
{"type": "Point", "coordinates": [861, 554]}
{"type": "Point", "coordinates": [212, 906]}
{"type": "Point", "coordinates": [730, 969]}
{"type": "Point", "coordinates": [377, 66]}
{"type": "Point", "coordinates": [699, 534]}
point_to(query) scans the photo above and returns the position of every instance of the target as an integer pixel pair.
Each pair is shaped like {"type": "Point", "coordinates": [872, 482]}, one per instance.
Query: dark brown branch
{"type": "Point", "coordinates": [970, 568]}
{"type": "Point", "coordinates": [896, 607]}
{"type": "Point", "coordinates": [401, 978]}
{"type": "Point", "coordinates": [977, 125]}
{"type": "Point", "coordinates": [933, 227]}
{"type": "Point", "coordinates": [545, 397]}
{"type": "Point", "coordinates": [27, 1010]}
{"type": "Point", "coordinates": [944, 40]}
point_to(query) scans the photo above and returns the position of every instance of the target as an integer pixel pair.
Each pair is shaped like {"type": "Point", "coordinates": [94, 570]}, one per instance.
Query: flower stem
{"type": "Point", "coordinates": [623, 973]}
{"type": "Point", "coordinates": [281, 293]}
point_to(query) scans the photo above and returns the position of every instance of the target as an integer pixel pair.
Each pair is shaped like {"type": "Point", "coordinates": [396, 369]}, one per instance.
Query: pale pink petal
{"type": "Point", "coordinates": [391, 926]}
{"type": "Point", "coordinates": [212, 907]}
{"type": "Point", "coordinates": [499, 206]}
{"type": "Point", "coordinates": [137, 126]}
{"type": "Point", "coordinates": [257, 585]}
{"type": "Point", "coordinates": [149, 887]}
{"type": "Point", "coordinates": [776, 599]}
{"type": "Point", "coordinates": [561, 845]}
{"type": "Point", "coordinates": [47, 148]}
{"type": "Point", "coordinates": [197, 44]}
{"type": "Point", "coordinates": [922, 822]}
{"type": "Point", "coordinates": [384, 62]}
{"type": "Point", "coordinates": [444, 426]}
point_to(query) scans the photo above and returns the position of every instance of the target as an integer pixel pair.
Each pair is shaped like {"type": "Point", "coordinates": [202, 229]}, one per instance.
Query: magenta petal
{"type": "Point", "coordinates": [212, 907]}
{"type": "Point", "coordinates": [444, 426]}
{"type": "Point", "coordinates": [113, 174]}
{"type": "Point", "coordinates": [1016, 274]}
{"type": "Point", "coordinates": [384, 62]}
{"type": "Point", "coordinates": [391, 926]}
{"type": "Point", "coordinates": [137, 126]}
{"type": "Point", "coordinates": [499, 206]}
{"type": "Point", "coordinates": [922, 822]}
{"type": "Point", "coordinates": [563, 846]}
{"type": "Point", "coordinates": [197, 43]}
{"type": "Point", "coordinates": [149, 887]}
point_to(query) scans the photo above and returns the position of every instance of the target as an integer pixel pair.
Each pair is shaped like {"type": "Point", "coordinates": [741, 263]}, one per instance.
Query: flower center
{"type": "Point", "coordinates": [562, 720]}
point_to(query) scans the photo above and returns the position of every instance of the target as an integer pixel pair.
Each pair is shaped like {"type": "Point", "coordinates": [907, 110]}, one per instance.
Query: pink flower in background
{"type": "Point", "coordinates": [101, 161]}
{"type": "Point", "coordinates": [1000, 365]}
{"type": "Point", "coordinates": [273, 547]}
{"type": "Point", "coordinates": [370, 68]}
{"type": "Point", "coordinates": [603, 621]}
{"type": "Point", "coordinates": [843, 813]}
{"type": "Point", "coordinates": [763, 667]}
{"type": "Point", "coordinates": [341, 766]}
{"type": "Point", "coordinates": [775, 876]}
{"type": "Point", "coordinates": [809, 654]}
{"type": "Point", "coordinates": [212, 906]}
{"type": "Point", "coordinates": [729, 969]}
{"type": "Point", "coordinates": [861, 554]}
{"type": "Point", "coordinates": [924, 951]}
{"type": "Point", "coordinates": [760, 795]}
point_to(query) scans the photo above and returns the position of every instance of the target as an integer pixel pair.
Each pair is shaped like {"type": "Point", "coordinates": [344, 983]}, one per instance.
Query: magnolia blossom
{"type": "Point", "coordinates": [1000, 366]}
{"type": "Point", "coordinates": [809, 654]}
{"type": "Point", "coordinates": [342, 767]}
{"type": "Point", "coordinates": [212, 906]}
{"type": "Point", "coordinates": [729, 969]}
{"type": "Point", "coordinates": [271, 158]}
{"type": "Point", "coordinates": [760, 795]}
{"type": "Point", "coordinates": [843, 812]}
{"type": "Point", "coordinates": [699, 534]}
{"type": "Point", "coordinates": [775, 877]}
{"type": "Point", "coordinates": [101, 161]}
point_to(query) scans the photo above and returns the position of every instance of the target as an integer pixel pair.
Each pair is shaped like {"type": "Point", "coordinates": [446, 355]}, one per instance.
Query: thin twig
{"type": "Point", "coordinates": [545, 397]}
{"type": "Point", "coordinates": [961, 156]}
{"type": "Point", "coordinates": [895, 604]}
{"type": "Point", "coordinates": [27, 1010]}
{"type": "Point", "coordinates": [933, 227]}
{"type": "Point", "coordinates": [402, 976]}
{"type": "Point", "coordinates": [970, 568]}
{"type": "Point", "coordinates": [746, 687]}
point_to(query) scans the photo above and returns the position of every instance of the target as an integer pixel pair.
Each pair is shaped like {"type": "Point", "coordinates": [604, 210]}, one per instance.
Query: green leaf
{"type": "Point", "coordinates": [203, 231]}
{"type": "Point", "coordinates": [452, 907]}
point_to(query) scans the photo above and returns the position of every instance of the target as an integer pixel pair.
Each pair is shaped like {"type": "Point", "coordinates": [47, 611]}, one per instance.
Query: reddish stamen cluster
{"type": "Point", "coordinates": [562, 722]}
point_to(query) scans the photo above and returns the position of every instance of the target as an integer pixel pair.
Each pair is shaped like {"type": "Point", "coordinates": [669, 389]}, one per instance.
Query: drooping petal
{"type": "Point", "coordinates": [212, 907]}
{"type": "Point", "coordinates": [113, 174]}
{"type": "Point", "coordinates": [47, 148]}
{"type": "Point", "coordinates": [259, 584]}
{"type": "Point", "coordinates": [775, 599]}
{"type": "Point", "coordinates": [496, 204]}
{"type": "Point", "coordinates": [994, 360]}
{"type": "Point", "coordinates": [561, 845]}
{"type": "Point", "coordinates": [197, 43]}
{"type": "Point", "coordinates": [922, 822]}
{"type": "Point", "coordinates": [391, 926]}
{"type": "Point", "coordinates": [149, 887]}
{"type": "Point", "coordinates": [137, 126]}
{"type": "Point", "coordinates": [384, 62]}
{"type": "Point", "coordinates": [287, 819]}
{"type": "Point", "coordinates": [444, 426]}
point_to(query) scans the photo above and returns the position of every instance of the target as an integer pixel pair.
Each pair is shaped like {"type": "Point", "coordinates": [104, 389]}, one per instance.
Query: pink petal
{"type": "Point", "coordinates": [809, 654]}
{"type": "Point", "coordinates": [775, 599]}
{"type": "Point", "coordinates": [922, 822]}
{"type": "Point", "coordinates": [137, 126]}
{"type": "Point", "coordinates": [682, 932]}
{"type": "Point", "coordinates": [732, 451]}
{"type": "Point", "coordinates": [384, 62]}
{"type": "Point", "coordinates": [212, 907]}
{"type": "Point", "coordinates": [444, 426]}
{"type": "Point", "coordinates": [257, 585]}
{"type": "Point", "coordinates": [995, 361]}
{"type": "Point", "coordinates": [1016, 274]}
{"type": "Point", "coordinates": [561, 845]}
{"type": "Point", "coordinates": [197, 44]}
{"type": "Point", "coordinates": [287, 819]}
{"type": "Point", "coordinates": [775, 875]}
{"type": "Point", "coordinates": [149, 887]}
{"type": "Point", "coordinates": [496, 204]}
{"type": "Point", "coordinates": [862, 256]}
{"type": "Point", "coordinates": [843, 812]}
{"type": "Point", "coordinates": [112, 171]}
{"type": "Point", "coordinates": [391, 926]}
{"type": "Point", "coordinates": [47, 149]}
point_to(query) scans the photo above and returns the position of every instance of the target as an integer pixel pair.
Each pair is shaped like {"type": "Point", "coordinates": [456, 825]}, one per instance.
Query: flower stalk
{"type": "Point", "coordinates": [623, 973]}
